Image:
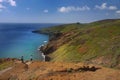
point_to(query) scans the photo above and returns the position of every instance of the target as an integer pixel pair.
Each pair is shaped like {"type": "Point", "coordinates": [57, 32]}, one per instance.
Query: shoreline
{"type": "Point", "coordinates": [45, 49]}
{"type": "Point", "coordinates": [42, 54]}
{"type": "Point", "coordinates": [45, 57]}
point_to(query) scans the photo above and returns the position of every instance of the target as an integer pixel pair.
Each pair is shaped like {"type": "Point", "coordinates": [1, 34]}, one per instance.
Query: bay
{"type": "Point", "coordinates": [17, 39]}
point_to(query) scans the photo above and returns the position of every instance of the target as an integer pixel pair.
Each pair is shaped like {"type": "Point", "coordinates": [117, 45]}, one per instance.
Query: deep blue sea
{"type": "Point", "coordinates": [17, 40]}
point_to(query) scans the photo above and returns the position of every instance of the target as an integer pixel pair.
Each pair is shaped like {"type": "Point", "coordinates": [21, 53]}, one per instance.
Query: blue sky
{"type": "Point", "coordinates": [58, 11]}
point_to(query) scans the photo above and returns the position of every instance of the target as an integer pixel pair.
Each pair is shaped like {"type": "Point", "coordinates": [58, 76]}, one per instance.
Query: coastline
{"type": "Point", "coordinates": [45, 57]}
{"type": "Point", "coordinates": [43, 48]}
{"type": "Point", "coordinates": [42, 54]}
{"type": "Point", "coordinates": [49, 46]}
{"type": "Point", "coordinates": [74, 43]}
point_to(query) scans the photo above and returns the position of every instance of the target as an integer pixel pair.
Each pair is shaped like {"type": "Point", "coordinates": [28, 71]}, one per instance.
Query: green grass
{"type": "Point", "coordinates": [89, 41]}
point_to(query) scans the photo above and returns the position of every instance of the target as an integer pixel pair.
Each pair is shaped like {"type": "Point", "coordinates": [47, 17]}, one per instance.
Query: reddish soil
{"type": "Point", "coordinates": [59, 71]}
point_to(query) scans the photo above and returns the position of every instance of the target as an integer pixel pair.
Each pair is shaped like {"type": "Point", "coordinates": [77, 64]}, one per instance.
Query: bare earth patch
{"type": "Point", "coordinates": [59, 71]}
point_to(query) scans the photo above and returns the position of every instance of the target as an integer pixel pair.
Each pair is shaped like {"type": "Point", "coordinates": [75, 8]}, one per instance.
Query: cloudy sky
{"type": "Point", "coordinates": [58, 11]}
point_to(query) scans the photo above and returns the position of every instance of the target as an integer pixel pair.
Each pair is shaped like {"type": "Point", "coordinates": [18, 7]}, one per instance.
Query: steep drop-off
{"type": "Point", "coordinates": [97, 42]}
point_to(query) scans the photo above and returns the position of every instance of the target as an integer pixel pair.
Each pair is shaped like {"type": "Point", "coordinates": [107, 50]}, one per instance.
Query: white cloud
{"type": "Point", "coordinates": [104, 6]}
{"type": "Point", "coordinates": [2, 7]}
{"type": "Point", "coordinates": [118, 12]}
{"type": "Point", "coordinates": [72, 8]}
{"type": "Point", "coordinates": [12, 2]}
{"type": "Point", "coordinates": [112, 7]}
{"type": "Point", "coordinates": [63, 9]}
{"type": "Point", "coordinates": [45, 11]}
{"type": "Point", "coordinates": [1, 1]}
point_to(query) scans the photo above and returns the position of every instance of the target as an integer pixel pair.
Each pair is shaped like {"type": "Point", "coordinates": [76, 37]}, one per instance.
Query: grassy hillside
{"type": "Point", "coordinates": [97, 42]}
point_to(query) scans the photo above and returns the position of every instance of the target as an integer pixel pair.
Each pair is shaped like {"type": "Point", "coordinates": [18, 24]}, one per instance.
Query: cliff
{"type": "Point", "coordinates": [97, 42]}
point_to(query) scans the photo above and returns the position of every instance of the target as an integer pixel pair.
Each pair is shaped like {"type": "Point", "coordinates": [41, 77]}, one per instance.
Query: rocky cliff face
{"type": "Point", "coordinates": [96, 42]}
{"type": "Point", "coordinates": [53, 43]}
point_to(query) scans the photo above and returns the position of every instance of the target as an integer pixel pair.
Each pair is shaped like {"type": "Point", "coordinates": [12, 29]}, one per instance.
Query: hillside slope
{"type": "Point", "coordinates": [97, 42]}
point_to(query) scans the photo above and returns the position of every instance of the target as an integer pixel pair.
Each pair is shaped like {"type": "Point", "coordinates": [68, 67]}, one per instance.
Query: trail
{"type": "Point", "coordinates": [37, 70]}
{"type": "Point", "coordinates": [9, 68]}
{"type": "Point", "coordinates": [3, 71]}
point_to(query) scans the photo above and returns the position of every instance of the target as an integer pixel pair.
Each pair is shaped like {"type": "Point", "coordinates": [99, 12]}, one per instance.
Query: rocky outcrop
{"type": "Point", "coordinates": [56, 40]}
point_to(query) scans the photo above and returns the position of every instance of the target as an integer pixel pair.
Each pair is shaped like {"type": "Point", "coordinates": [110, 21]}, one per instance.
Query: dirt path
{"type": "Point", "coordinates": [9, 68]}
{"type": "Point", "coordinates": [3, 71]}
{"type": "Point", "coordinates": [59, 71]}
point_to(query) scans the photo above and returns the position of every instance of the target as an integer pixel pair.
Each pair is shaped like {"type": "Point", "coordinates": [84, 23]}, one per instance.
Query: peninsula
{"type": "Point", "coordinates": [97, 42]}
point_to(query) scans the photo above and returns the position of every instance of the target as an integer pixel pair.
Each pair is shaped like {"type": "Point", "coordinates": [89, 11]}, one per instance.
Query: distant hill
{"type": "Point", "coordinates": [97, 42]}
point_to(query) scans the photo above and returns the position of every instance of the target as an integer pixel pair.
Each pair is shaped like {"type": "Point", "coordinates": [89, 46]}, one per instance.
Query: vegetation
{"type": "Point", "coordinates": [5, 64]}
{"type": "Point", "coordinates": [96, 42]}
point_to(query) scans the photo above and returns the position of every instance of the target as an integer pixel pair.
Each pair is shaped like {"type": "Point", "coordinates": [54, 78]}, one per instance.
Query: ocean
{"type": "Point", "coordinates": [17, 40]}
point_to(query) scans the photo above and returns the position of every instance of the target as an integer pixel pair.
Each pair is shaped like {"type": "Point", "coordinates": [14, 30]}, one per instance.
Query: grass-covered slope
{"type": "Point", "coordinates": [97, 42]}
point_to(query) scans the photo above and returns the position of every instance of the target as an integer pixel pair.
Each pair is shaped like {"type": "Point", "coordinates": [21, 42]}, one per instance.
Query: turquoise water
{"type": "Point", "coordinates": [17, 40]}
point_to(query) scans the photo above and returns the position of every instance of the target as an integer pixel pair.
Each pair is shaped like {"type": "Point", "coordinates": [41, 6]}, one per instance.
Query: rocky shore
{"type": "Point", "coordinates": [50, 47]}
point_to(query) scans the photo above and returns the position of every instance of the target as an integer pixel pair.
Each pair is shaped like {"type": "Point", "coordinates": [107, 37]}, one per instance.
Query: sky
{"type": "Point", "coordinates": [58, 11]}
